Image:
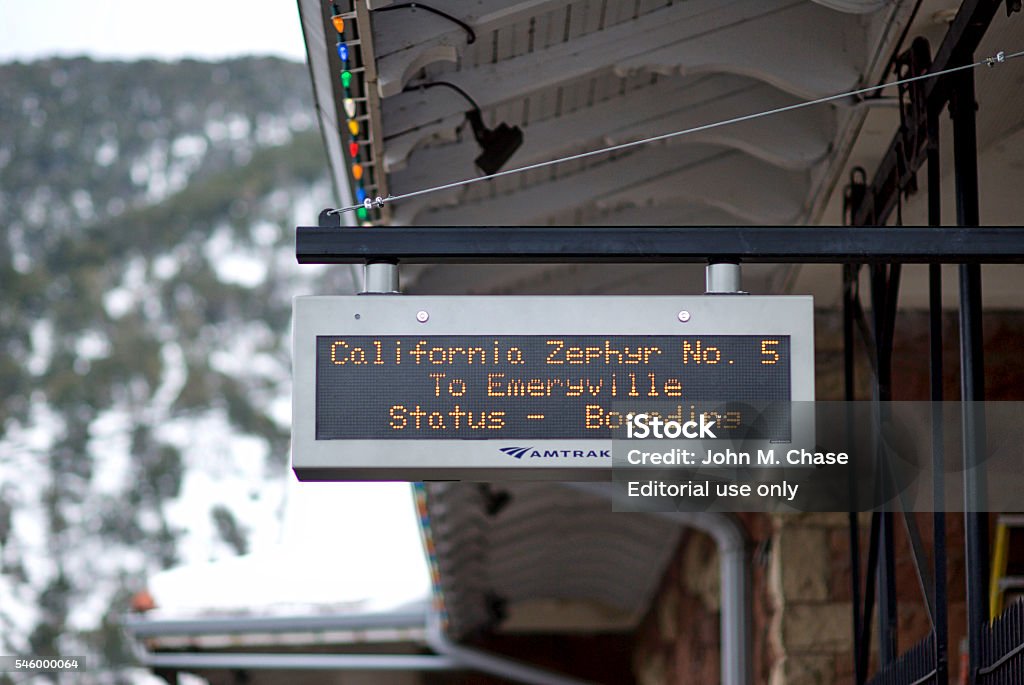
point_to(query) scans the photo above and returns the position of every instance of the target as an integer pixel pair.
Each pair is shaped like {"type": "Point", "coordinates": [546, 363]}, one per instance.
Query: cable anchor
{"type": "Point", "coordinates": [998, 59]}
{"type": "Point", "coordinates": [377, 202]}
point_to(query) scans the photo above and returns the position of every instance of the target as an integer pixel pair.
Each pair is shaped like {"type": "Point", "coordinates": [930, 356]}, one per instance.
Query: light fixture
{"type": "Point", "coordinates": [497, 145]}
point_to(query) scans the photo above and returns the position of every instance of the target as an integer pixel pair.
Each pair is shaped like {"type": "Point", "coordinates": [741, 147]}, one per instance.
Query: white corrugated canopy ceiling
{"type": "Point", "coordinates": [577, 76]}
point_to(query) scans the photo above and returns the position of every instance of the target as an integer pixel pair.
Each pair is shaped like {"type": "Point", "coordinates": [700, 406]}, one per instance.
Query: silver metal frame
{"type": "Point", "coordinates": [418, 460]}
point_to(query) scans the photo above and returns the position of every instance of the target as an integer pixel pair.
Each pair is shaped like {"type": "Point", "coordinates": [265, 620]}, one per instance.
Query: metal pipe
{"type": "Point", "coordinates": [722, 278]}
{"type": "Point", "coordinates": [849, 378]}
{"type": "Point", "coordinates": [380, 278]}
{"type": "Point", "coordinates": [884, 293]}
{"type": "Point", "coordinates": [972, 373]}
{"type": "Point", "coordinates": [142, 627]}
{"type": "Point", "coordinates": [940, 595]}
{"type": "Point", "coordinates": [306, 662]}
{"type": "Point", "coordinates": [869, 594]}
{"type": "Point", "coordinates": [510, 669]}
{"type": "Point", "coordinates": [735, 621]}
{"type": "Point", "coordinates": [888, 626]}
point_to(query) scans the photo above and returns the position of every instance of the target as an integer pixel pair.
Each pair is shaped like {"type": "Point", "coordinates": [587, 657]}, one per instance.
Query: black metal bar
{"type": "Point", "coordinates": [850, 272]}
{"type": "Point", "coordinates": [866, 335]}
{"type": "Point", "coordinates": [888, 626]}
{"type": "Point", "coordinates": [939, 589]}
{"type": "Point", "coordinates": [870, 576]}
{"type": "Point", "coordinates": [859, 676]}
{"type": "Point", "coordinates": [920, 558]}
{"type": "Point", "coordinates": [972, 373]}
{"type": "Point", "coordinates": [962, 37]}
{"type": "Point", "coordinates": [975, 519]}
{"type": "Point", "coordinates": [881, 295]}
{"type": "Point", "coordinates": [962, 108]}
{"type": "Point", "coordinates": [788, 244]}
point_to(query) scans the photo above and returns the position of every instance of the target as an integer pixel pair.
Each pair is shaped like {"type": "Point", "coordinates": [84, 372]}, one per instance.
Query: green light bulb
{"type": "Point", "coordinates": [346, 78]}
{"type": "Point", "coordinates": [362, 213]}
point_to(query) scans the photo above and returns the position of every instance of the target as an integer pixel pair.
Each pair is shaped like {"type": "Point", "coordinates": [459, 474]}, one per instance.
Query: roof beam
{"type": "Point", "coordinates": [394, 36]}
{"type": "Point", "coordinates": [602, 176]}
{"type": "Point", "coordinates": [854, 6]}
{"type": "Point", "coordinates": [484, 16]}
{"type": "Point", "coordinates": [736, 183]}
{"type": "Point", "coordinates": [792, 140]}
{"type": "Point", "coordinates": [665, 214]}
{"type": "Point", "coordinates": [700, 35]}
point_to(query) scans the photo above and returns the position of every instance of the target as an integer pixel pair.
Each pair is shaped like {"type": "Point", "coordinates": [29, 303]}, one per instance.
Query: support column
{"type": "Point", "coordinates": [972, 370]}
{"type": "Point", "coordinates": [939, 589]}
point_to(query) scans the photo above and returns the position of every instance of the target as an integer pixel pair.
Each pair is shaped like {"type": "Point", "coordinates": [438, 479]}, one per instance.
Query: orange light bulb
{"type": "Point", "coordinates": [339, 23]}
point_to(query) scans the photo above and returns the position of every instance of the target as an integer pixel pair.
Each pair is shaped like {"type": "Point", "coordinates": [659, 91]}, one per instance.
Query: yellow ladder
{"type": "Point", "coordinates": [1001, 581]}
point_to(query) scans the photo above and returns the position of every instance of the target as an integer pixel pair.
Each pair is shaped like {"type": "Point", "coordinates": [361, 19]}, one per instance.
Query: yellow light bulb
{"type": "Point", "coordinates": [353, 127]}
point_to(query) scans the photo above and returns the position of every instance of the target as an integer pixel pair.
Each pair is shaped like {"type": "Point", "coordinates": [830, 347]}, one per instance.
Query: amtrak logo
{"type": "Point", "coordinates": [516, 452]}
{"type": "Point", "coordinates": [531, 453]}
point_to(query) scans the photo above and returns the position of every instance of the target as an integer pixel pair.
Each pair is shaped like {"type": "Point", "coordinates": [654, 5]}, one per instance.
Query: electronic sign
{"type": "Point", "coordinates": [394, 387]}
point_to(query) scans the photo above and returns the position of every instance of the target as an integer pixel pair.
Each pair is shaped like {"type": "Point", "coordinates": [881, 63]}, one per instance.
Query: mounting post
{"type": "Point", "coordinates": [380, 278]}
{"type": "Point", "coordinates": [722, 278]}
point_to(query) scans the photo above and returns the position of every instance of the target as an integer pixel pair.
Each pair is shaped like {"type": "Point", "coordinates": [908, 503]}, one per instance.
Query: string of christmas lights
{"type": "Point", "coordinates": [357, 136]}
{"type": "Point", "coordinates": [420, 492]}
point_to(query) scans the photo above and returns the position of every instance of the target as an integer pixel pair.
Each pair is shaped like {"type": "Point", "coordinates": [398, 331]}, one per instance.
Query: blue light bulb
{"type": "Point", "coordinates": [343, 52]}
{"type": "Point", "coordinates": [360, 194]}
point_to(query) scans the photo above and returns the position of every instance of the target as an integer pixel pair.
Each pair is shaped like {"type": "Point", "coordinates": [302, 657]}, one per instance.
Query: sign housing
{"type": "Point", "coordinates": [394, 387]}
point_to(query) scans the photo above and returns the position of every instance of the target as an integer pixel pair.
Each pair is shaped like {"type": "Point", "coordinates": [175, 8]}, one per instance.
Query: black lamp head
{"type": "Point", "coordinates": [497, 144]}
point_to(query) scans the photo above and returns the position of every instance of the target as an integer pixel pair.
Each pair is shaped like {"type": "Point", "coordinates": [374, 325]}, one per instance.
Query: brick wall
{"type": "Point", "coordinates": [800, 564]}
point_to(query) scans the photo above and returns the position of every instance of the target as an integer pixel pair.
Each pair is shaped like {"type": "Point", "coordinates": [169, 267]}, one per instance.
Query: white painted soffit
{"type": "Point", "coordinates": [576, 76]}
{"type": "Point", "coordinates": [584, 74]}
